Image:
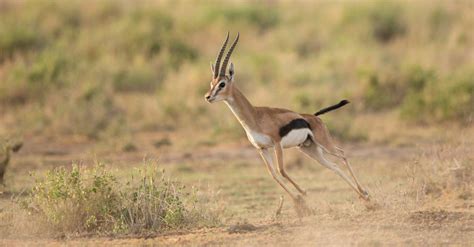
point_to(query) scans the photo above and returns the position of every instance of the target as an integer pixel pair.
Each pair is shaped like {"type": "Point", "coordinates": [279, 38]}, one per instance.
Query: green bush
{"type": "Point", "coordinates": [383, 91]}
{"type": "Point", "coordinates": [344, 130]}
{"type": "Point", "coordinates": [386, 21]}
{"type": "Point", "coordinates": [257, 15]}
{"type": "Point", "coordinates": [54, 52]}
{"type": "Point", "coordinates": [449, 98]}
{"type": "Point", "coordinates": [421, 95]}
{"type": "Point", "coordinates": [143, 32]}
{"type": "Point", "coordinates": [440, 21]}
{"type": "Point", "coordinates": [92, 200]}
{"type": "Point", "coordinates": [180, 52]}
{"type": "Point", "coordinates": [32, 80]}
{"type": "Point", "coordinates": [91, 112]}
{"type": "Point", "coordinates": [136, 79]}
{"type": "Point", "coordinates": [17, 39]}
{"type": "Point", "coordinates": [382, 21]}
{"type": "Point", "coordinates": [77, 200]}
{"type": "Point", "coordinates": [389, 89]}
{"type": "Point", "coordinates": [154, 203]}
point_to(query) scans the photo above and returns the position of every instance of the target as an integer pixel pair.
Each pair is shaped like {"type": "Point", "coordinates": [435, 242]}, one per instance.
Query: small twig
{"type": "Point", "coordinates": [457, 165]}
{"type": "Point", "coordinates": [280, 206]}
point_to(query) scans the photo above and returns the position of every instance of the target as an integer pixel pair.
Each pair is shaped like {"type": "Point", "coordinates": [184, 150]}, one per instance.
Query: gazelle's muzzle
{"type": "Point", "coordinates": [208, 97]}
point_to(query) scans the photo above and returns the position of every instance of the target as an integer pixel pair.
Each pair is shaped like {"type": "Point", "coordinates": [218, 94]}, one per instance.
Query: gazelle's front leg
{"type": "Point", "coordinates": [281, 168]}
{"type": "Point", "coordinates": [267, 157]}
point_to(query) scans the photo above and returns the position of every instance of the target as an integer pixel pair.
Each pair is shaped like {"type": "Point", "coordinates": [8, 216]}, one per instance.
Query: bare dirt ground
{"type": "Point", "coordinates": [417, 202]}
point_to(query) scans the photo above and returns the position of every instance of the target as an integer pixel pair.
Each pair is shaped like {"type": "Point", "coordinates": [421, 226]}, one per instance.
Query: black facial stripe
{"type": "Point", "coordinates": [218, 89]}
{"type": "Point", "coordinates": [298, 123]}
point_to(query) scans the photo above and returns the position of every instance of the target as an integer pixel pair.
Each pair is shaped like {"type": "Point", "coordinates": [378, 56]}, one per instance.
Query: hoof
{"type": "Point", "coordinates": [364, 195]}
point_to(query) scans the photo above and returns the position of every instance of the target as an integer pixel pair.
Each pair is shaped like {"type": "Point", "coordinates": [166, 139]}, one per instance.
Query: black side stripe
{"type": "Point", "coordinates": [298, 123]}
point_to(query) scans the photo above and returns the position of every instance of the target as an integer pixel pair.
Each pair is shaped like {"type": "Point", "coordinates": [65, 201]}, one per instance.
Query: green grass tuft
{"type": "Point", "coordinates": [93, 201]}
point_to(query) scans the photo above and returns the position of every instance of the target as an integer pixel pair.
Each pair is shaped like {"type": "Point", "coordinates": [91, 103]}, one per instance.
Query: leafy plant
{"type": "Point", "coordinates": [386, 21]}
{"type": "Point", "coordinates": [91, 200]}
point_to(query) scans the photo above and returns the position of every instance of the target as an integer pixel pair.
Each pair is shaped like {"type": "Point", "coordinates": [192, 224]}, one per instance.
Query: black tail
{"type": "Point", "coordinates": [333, 107]}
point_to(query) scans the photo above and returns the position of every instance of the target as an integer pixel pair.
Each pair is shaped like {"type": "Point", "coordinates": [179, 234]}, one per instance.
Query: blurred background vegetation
{"type": "Point", "coordinates": [110, 69]}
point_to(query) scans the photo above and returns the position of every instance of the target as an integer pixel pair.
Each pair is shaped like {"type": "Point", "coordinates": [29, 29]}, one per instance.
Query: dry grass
{"type": "Point", "coordinates": [107, 70]}
{"type": "Point", "coordinates": [423, 192]}
{"type": "Point", "coordinates": [92, 202]}
{"type": "Point", "coordinates": [117, 82]}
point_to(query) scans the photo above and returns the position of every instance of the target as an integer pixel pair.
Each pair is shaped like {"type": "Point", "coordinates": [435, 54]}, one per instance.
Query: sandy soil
{"type": "Point", "coordinates": [250, 199]}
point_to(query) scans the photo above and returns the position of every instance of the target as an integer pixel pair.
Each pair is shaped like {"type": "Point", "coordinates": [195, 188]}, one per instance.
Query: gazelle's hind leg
{"type": "Point", "coordinates": [342, 156]}
{"type": "Point", "coordinates": [316, 152]}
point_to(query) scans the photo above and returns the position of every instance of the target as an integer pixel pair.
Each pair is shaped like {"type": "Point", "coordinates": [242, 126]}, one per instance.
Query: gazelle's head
{"type": "Point", "coordinates": [222, 84]}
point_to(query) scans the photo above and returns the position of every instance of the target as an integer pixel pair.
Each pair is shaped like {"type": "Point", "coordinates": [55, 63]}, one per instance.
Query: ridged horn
{"type": "Point", "coordinates": [227, 57]}
{"type": "Point", "coordinates": [219, 56]}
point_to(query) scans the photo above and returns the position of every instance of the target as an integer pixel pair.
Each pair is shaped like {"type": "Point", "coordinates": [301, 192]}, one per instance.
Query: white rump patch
{"type": "Point", "coordinates": [295, 137]}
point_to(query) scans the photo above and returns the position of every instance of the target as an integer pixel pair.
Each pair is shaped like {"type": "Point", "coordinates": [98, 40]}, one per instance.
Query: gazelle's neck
{"type": "Point", "coordinates": [242, 109]}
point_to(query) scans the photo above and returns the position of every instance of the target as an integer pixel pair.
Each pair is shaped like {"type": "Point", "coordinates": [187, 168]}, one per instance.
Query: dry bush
{"type": "Point", "coordinates": [442, 171]}
{"type": "Point", "coordinates": [92, 201]}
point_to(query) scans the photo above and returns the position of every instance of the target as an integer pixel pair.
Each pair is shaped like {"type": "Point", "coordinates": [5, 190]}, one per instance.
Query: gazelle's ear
{"type": "Point", "coordinates": [212, 69]}
{"type": "Point", "coordinates": [231, 71]}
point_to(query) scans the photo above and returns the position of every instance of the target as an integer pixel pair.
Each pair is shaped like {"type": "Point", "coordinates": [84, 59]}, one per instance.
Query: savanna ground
{"type": "Point", "coordinates": [423, 190]}
{"type": "Point", "coordinates": [123, 84]}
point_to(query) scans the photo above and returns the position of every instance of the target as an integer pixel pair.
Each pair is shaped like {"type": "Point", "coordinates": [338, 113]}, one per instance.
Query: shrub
{"type": "Point", "coordinates": [383, 91]}
{"type": "Point", "coordinates": [440, 22]}
{"type": "Point", "coordinates": [449, 98]}
{"type": "Point", "coordinates": [90, 111]}
{"type": "Point", "coordinates": [156, 203]}
{"type": "Point", "coordinates": [181, 52]}
{"type": "Point", "coordinates": [436, 173]}
{"type": "Point", "coordinates": [260, 16]}
{"type": "Point", "coordinates": [17, 39]}
{"type": "Point", "coordinates": [382, 21]}
{"type": "Point", "coordinates": [421, 95]}
{"type": "Point", "coordinates": [344, 130]}
{"type": "Point", "coordinates": [91, 200]}
{"type": "Point", "coordinates": [77, 200]}
{"type": "Point", "coordinates": [135, 79]}
{"type": "Point", "coordinates": [32, 81]}
{"type": "Point", "coordinates": [389, 88]}
{"type": "Point", "coordinates": [143, 31]}
{"type": "Point", "coordinates": [386, 21]}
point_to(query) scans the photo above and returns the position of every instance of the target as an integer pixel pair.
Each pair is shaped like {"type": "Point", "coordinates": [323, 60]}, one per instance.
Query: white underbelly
{"type": "Point", "coordinates": [259, 140]}
{"type": "Point", "coordinates": [295, 137]}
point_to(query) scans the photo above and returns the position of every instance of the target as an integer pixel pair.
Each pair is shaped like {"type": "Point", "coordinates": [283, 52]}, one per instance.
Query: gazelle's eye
{"type": "Point", "coordinates": [222, 84]}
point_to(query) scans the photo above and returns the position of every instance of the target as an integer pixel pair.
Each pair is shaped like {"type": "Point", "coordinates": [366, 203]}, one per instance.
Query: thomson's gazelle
{"type": "Point", "coordinates": [271, 130]}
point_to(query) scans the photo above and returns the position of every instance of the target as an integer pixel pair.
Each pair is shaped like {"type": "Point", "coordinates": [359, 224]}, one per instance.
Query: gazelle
{"type": "Point", "coordinates": [274, 129]}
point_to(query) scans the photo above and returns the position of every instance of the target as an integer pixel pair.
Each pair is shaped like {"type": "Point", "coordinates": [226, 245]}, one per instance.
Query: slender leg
{"type": "Point", "coordinates": [349, 167]}
{"type": "Point", "coordinates": [281, 168]}
{"type": "Point", "coordinates": [268, 159]}
{"type": "Point", "coordinates": [315, 152]}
